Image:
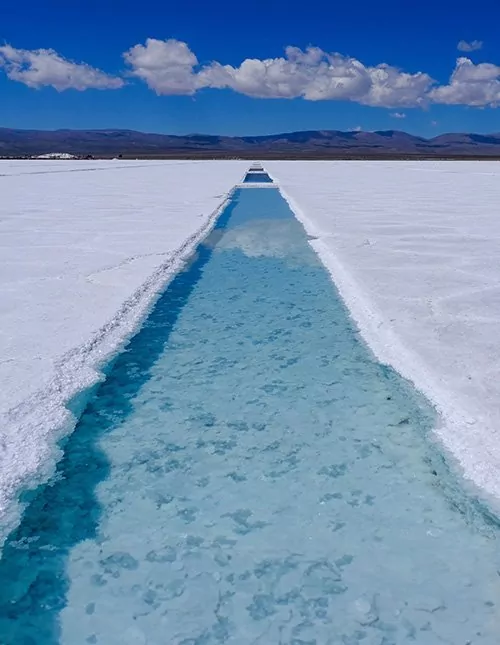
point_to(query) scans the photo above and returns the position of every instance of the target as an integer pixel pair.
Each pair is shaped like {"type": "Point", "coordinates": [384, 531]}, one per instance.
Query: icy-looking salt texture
{"type": "Point", "coordinates": [84, 246]}
{"type": "Point", "coordinates": [249, 474]}
{"type": "Point", "coordinates": [414, 248]}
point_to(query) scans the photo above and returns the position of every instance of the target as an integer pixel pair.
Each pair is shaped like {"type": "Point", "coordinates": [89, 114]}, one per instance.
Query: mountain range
{"type": "Point", "coordinates": [308, 144]}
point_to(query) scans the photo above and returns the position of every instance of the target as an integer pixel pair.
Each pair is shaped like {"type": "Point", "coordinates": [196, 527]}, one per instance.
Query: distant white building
{"type": "Point", "coordinates": [56, 155]}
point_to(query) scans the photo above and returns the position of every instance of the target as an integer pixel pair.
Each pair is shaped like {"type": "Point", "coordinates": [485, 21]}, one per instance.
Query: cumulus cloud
{"type": "Point", "coordinates": [391, 87]}
{"type": "Point", "coordinates": [469, 46]}
{"type": "Point", "coordinates": [44, 67]}
{"type": "Point", "coordinates": [170, 67]}
{"type": "Point", "coordinates": [470, 84]}
{"type": "Point", "coordinates": [398, 115]}
{"type": "Point", "coordinates": [166, 66]}
{"type": "Point", "coordinates": [311, 74]}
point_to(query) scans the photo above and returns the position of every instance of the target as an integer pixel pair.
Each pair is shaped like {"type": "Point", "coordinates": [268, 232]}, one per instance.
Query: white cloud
{"type": "Point", "coordinates": [166, 66]}
{"type": "Point", "coordinates": [45, 67]}
{"type": "Point", "coordinates": [470, 46]}
{"type": "Point", "coordinates": [311, 74]}
{"type": "Point", "coordinates": [398, 115]}
{"type": "Point", "coordinates": [470, 84]}
{"type": "Point", "coordinates": [170, 67]}
{"type": "Point", "coordinates": [392, 88]}
{"type": "Point", "coordinates": [316, 75]}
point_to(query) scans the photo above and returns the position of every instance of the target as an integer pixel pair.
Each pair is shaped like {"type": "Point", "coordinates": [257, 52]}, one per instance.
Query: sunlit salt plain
{"type": "Point", "coordinates": [84, 248]}
{"type": "Point", "coordinates": [414, 248]}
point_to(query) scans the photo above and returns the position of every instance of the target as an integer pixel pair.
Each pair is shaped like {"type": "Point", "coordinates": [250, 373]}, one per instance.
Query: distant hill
{"type": "Point", "coordinates": [313, 143]}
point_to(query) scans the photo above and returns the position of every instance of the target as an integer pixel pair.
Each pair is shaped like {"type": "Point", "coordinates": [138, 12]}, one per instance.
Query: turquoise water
{"type": "Point", "coordinates": [249, 474]}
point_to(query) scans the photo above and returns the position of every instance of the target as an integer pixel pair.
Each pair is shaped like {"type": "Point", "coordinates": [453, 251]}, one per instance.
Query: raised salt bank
{"type": "Point", "coordinates": [248, 473]}
{"type": "Point", "coordinates": [414, 248]}
{"type": "Point", "coordinates": [84, 248]}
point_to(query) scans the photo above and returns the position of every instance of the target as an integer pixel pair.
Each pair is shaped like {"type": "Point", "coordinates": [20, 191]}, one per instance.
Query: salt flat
{"type": "Point", "coordinates": [414, 248]}
{"type": "Point", "coordinates": [84, 248]}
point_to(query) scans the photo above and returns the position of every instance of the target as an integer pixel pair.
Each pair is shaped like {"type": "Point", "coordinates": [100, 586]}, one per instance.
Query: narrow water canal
{"type": "Point", "coordinates": [249, 474]}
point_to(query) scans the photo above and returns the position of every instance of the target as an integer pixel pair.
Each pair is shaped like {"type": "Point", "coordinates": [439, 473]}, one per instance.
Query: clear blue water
{"type": "Point", "coordinates": [257, 177]}
{"type": "Point", "coordinates": [249, 474]}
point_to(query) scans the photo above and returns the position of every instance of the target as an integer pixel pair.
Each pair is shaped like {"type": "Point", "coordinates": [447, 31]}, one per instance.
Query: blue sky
{"type": "Point", "coordinates": [393, 68]}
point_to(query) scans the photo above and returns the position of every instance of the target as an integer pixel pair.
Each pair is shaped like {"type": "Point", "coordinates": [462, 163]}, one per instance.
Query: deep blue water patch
{"type": "Point", "coordinates": [248, 473]}
{"type": "Point", "coordinates": [257, 178]}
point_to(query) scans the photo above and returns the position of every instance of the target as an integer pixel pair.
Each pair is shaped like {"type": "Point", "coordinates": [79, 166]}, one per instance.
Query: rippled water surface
{"type": "Point", "coordinates": [249, 474]}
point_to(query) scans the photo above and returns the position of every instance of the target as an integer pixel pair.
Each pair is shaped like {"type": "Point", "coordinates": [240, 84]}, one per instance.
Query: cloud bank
{"type": "Point", "coordinates": [170, 67]}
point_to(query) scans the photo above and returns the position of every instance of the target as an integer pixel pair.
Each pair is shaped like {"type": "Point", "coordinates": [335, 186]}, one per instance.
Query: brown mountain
{"type": "Point", "coordinates": [314, 143]}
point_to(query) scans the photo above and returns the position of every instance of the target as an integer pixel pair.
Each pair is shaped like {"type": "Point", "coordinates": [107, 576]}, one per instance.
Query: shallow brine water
{"type": "Point", "coordinates": [248, 473]}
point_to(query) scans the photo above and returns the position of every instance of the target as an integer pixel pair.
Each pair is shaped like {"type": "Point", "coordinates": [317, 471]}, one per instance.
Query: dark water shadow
{"type": "Point", "coordinates": [33, 578]}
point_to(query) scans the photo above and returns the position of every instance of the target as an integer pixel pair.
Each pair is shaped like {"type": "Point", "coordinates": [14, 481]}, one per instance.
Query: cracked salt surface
{"type": "Point", "coordinates": [248, 473]}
